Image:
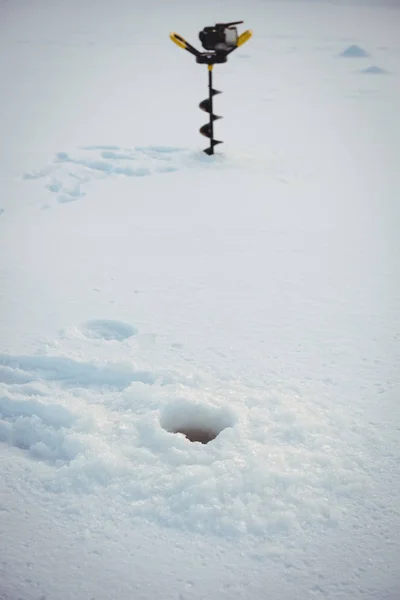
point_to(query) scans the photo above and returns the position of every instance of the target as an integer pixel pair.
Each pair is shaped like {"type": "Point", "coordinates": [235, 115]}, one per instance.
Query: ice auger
{"type": "Point", "coordinates": [218, 41]}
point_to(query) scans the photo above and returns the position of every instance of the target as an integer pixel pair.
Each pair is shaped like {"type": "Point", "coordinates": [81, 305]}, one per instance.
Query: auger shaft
{"type": "Point", "coordinates": [207, 105]}
{"type": "Point", "coordinates": [210, 100]}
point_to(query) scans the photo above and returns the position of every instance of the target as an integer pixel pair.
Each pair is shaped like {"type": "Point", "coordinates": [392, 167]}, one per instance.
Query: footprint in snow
{"type": "Point", "coordinates": [71, 172]}
{"type": "Point", "coordinates": [69, 373]}
{"type": "Point", "coordinates": [109, 330]}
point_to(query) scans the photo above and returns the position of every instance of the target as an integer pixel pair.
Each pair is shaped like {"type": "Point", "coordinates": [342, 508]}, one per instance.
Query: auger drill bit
{"type": "Point", "coordinates": [218, 41]}
{"type": "Point", "coordinates": [207, 105]}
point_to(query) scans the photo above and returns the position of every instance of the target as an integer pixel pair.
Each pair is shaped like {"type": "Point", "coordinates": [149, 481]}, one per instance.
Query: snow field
{"type": "Point", "coordinates": [113, 419]}
{"type": "Point", "coordinates": [148, 291]}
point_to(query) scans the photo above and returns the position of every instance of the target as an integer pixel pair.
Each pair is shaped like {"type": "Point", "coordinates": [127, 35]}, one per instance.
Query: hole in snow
{"type": "Point", "coordinates": [198, 423]}
{"type": "Point", "coordinates": [201, 435]}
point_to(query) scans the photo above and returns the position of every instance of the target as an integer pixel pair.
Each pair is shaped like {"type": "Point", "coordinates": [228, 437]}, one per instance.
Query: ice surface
{"type": "Point", "coordinates": [150, 294]}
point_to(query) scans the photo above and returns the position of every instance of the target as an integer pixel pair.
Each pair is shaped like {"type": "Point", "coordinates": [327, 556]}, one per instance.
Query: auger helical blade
{"type": "Point", "coordinates": [210, 150]}
{"type": "Point", "coordinates": [207, 106]}
{"type": "Point", "coordinates": [206, 130]}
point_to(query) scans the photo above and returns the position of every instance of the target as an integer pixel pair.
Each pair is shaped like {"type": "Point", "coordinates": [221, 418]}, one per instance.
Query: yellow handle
{"type": "Point", "coordinates": [178, 40]}
{"type": "Point", "coordinates": [244, 37]}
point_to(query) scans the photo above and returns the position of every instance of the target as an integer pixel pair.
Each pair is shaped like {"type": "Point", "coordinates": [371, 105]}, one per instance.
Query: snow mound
{"type": "Point", "coordinates": [354, 51]}
{"type": "Point", "coordinates": [42, 429]}
{"type": "Point", "coordinates": [197, 422]}
{"type": "Point", "coordinates": [374, 70]}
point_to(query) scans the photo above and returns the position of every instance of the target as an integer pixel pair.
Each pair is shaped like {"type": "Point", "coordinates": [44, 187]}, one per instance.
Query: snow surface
{"type": "Point", "coordinates": [147, 288]}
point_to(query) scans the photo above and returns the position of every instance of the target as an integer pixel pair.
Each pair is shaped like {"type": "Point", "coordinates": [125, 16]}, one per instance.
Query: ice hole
{"type": "Point", "coordinates": [198, 423]}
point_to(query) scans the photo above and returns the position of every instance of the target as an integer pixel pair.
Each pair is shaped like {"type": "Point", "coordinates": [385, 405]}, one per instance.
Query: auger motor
{"type": "Point", "coordinates": [218, 42]}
